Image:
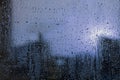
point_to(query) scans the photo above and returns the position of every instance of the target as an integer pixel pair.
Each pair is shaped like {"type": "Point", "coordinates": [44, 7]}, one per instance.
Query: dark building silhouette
{"type": "Point", "coordinates": [5, 34]}
{"type": "Point", "coordinates": [109, 58]}
{"type": "Point", "coordinates": [33, 61]}
{"type": "Point", "coordinates": [5, 26]}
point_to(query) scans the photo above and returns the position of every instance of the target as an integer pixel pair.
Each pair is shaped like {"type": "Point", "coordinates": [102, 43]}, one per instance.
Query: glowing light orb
{"type": "Point", "coordinates": [101, 30]}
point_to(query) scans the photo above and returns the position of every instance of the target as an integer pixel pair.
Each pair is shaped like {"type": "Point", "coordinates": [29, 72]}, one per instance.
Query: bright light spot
{"type": "Point", "coordinates": [103, 31]}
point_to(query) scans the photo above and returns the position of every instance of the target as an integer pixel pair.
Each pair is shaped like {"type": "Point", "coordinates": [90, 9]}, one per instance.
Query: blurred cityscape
{"type": "Point", "coordinates": [34, 60]}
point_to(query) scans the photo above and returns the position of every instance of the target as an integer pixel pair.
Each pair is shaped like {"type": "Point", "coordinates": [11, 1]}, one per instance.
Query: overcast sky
{"type": "Point", "coordinates": [68, 25]}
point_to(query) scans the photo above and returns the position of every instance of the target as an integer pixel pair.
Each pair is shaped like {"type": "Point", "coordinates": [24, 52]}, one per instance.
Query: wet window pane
{"type": "Point", "coordinates": [59, 40]}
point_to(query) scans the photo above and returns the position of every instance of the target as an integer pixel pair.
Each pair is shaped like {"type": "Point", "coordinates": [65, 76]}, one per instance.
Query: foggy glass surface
{"type": "Point", "coordinates": [60, 39]}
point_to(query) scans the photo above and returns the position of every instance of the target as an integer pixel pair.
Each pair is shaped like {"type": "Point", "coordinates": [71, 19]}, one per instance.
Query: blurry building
{"type": "Point", "coordinates": [33, 61]}
{"type": "Point", "coordinates": [109, 58]}
{"type": "Point", "coordinates": [5, 26]}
